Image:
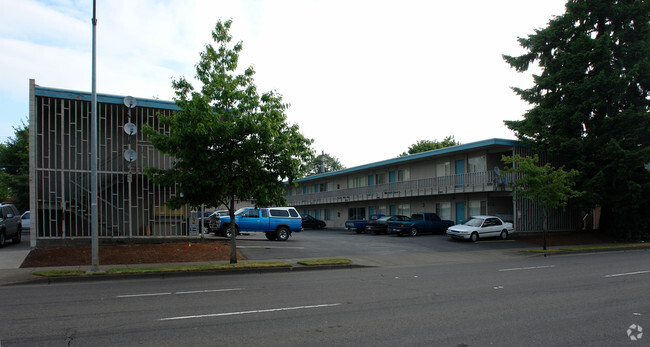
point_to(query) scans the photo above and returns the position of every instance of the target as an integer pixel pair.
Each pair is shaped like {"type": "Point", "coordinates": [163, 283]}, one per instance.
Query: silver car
{"type": "Point", "coordinates": [481, 227]}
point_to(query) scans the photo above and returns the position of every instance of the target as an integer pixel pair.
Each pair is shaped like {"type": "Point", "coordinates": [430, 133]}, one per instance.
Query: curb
{"type": "Point", "coordinates": [178, 274]}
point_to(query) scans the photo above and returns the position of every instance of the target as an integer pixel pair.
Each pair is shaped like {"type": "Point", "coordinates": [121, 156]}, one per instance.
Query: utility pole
{"type": "Point", "coordinates": [93, 156]}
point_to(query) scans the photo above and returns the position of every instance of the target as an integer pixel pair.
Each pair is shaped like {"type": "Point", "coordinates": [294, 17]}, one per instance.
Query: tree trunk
{"type": "Point", "coordinates": [233, 235]}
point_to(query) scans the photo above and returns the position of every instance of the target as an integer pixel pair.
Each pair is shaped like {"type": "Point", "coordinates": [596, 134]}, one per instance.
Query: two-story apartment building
{"type": "Point", "coordinates": [454, 182]}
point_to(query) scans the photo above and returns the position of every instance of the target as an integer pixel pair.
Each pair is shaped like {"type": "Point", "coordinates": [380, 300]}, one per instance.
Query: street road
{"type": "Point", "coordinates": [595, 299]}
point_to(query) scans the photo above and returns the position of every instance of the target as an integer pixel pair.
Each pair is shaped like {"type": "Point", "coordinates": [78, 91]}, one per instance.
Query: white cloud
{"type": "Point", "coordinates": [366, 79]}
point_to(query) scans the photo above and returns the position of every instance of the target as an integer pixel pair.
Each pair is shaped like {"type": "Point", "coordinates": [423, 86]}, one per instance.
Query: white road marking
{"type": "Point", "coordinates": [629, 273]}
{"type": "Point", "coordinates": [139, 295]}
{"type": "Point", "coordinates": [528, 268]}
{"type": "Point", "coordinates": [278, 247]}
{"type": "Point", "coordinates": [178, 293]}
{"type": "Point", "coordinates": [248, 312]}
{"type": "Point", "coordinates": [209, 291]}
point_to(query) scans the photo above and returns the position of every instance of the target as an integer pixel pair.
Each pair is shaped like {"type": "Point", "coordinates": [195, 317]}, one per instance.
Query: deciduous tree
{"type": "Point", "coordinates": [14, 168]}
{"type": "Point", "coordinates": [590, 105]}
{"type": "Point", "coordinates": [228, 141]}
{"type": "Point", "coordinates": [547, 186]}
{"type": "Point", "coordinates": [428, 145]}
{"type": "Point", "coordinates": [324, 163]}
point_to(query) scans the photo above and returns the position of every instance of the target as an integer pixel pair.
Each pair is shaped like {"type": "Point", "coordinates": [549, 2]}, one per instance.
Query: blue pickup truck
{"type": "Point", "coordinates": [358, 223]}
{"type": "Point", "coordinates": [420, 223]}
{"type": "Point", "coordinates": [276, 222]}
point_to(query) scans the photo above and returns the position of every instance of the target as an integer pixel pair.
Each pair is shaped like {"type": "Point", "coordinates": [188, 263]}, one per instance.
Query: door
{"type": "Point", "coordinates": [251, 221]}
{"type": "Point", "coordinates": [460, 170]}
{"type": "Point", "coordinates": [460, 212]}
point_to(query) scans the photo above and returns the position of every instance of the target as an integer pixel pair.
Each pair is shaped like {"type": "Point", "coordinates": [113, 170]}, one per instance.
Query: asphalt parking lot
{"type": "Point", "coordinates": [347, 243]}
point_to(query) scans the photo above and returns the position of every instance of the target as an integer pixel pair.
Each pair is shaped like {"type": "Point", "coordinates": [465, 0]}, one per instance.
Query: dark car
{"type": "Point", "coordinates": [211, 218]}
{"type": "Point", "coordinates": [10, 225]}
{"type": "Point", "coordinates": [380, 226]}
{"type": "Point", "coordinates": [312, 223]}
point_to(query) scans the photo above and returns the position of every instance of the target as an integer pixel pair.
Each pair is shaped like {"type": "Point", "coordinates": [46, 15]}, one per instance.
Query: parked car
{"type": "Point", "coordinates": [276, 222]}
{"type": "Point", "coordinates": [213, 216]}
{"type": "Point", "coordinates": [479, 227]}
{"type": "Point", "coordinates": [420, 223]}
{"type": "Point", "coordinates": [10, 225]}
{"type": "Point", "coordinates": [358, 223]}
{"type": "Point", "coordinates": [380, 225]}
{"type": "Point", "coordinates": [312, 223]}
{"type": "Point", "coordinates": [25, 220]}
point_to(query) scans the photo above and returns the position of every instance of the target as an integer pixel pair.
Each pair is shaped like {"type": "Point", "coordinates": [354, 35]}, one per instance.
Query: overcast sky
{"type": "Point", "coordinates": [365, 79]}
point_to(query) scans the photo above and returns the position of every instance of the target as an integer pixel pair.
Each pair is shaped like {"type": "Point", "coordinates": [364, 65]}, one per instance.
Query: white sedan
{"type": "Point", "coordinates": [480, 227]}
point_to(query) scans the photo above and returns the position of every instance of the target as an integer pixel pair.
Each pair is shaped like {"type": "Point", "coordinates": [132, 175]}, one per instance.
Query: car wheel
{"type": "Point", "coordinates": [18, 236]}
{"type": "Point", "coordinates": [282, 234]}
{"type": "Point", "coordinates": [504, 234]}
{"type": "Point", "coordinates": [2, 239]}
{"type": "Point", "coordinates": [270, 236]}
{"type": "Point", "coordinates": [473, 237]}
{"type": "Point", "coordinates": [228, 231]}
{"type": "Point", "coordinates": [413, 231]}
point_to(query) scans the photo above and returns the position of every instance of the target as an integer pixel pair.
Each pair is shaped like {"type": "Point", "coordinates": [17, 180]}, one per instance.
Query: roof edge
{"type": "Point", "coordinates": [426, 154]}
{"type": "Point", "coordinates": [103, 98]}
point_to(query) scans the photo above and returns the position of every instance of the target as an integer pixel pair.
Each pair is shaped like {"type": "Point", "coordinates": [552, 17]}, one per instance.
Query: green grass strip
{"type": "Point", "coordinates": [61, 273]}
{"type": "Point", "coordinates": [589, 248]}
{"type": "Point", "coordinates": [325, 261]}
{"type": "Point", "coordinates": [172, 268]}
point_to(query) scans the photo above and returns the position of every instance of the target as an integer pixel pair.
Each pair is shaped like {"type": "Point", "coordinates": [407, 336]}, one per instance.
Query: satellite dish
{"type": "Point", "coordinates": [130, 155]}
{"type": "Point", "coordinates": [130, 128]}
{"type": "Point", "coordinates": [130, 102]}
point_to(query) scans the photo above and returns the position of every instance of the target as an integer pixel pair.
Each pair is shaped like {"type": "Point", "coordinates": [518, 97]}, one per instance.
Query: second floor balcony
{"type": "Point", "coordinates": [452, 184]}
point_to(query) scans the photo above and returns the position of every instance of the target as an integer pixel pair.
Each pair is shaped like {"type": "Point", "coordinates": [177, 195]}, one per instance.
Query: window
{"type": "Point", "coordinates": [443, 210]}
{"type": "Point", "coordinates": [293, 213]}
{"type": "Point", "coordinates": [356, 182]}
{"type": "Point", "coordinates": [327, 214]}
{"type": "Point", "coordinates": [371, 180]}
{"type": "Point", "coordinates": [381, 178]}
{"type": "Point", "coordinates": [403, 175]}
{"type": "Point", "coordinates": [443, 169]}
{"type": "Point", "coordinates": [476, 207]}
{"type": "Point", "coordinates": [404, 209]}
{"type": "Point", "coordinates": [381, 209]}
{"type": "Point", "coordinates": [357, 212]}
{"type": "Point", "coordinates": [279, 213]}
{"type": "Point", "coordinates": [477, 164]}
{"type": "Point", "coordinates": [252, 213]}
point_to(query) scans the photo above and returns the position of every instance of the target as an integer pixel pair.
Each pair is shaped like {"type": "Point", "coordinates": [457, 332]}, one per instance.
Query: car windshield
{"type": "Point", "coordinates": [474, 222]}
{"type": "Point", "coordinates": [240, 211]}
{"type": "Point", "coordinates": [385, 218]}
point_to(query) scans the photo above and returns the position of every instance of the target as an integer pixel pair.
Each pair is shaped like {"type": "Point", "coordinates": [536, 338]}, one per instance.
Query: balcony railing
{"type": "Point", "coordinates": [453, 184]}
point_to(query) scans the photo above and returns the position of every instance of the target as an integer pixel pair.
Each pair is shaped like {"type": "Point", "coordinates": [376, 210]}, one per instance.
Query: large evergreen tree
{"type": "Point", "coordinates": [590, 105]}
{"type": "Point", "coordinates": [228, 142]}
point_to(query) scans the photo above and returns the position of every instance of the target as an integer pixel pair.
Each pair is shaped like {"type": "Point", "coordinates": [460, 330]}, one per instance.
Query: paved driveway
{"type": "Point", "coordinates": [343, 243]}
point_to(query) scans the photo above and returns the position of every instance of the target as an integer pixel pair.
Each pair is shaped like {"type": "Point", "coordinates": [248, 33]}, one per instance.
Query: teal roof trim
{"type": "Point", "coordinates": [103, 98]}
{"type": "Point", "coordinates": [427, 154]}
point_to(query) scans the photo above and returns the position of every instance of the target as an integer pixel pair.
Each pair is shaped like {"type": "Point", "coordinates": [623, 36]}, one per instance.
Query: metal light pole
{"type": "Point", "coordinates": [93, 158]}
